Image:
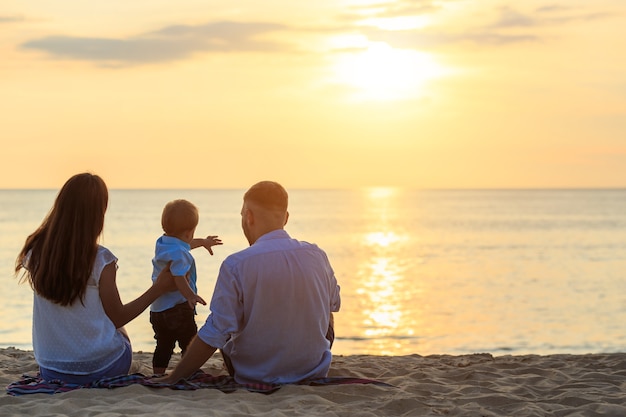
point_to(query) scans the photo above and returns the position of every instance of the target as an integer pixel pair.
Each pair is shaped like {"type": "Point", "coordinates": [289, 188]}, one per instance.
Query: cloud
{"type": "Point", "coordinates": [397, 8]}
{"type": "Point", "coordinates": [544, 16]}
{"type": "Point", "coordinates": [424, 38]}
{"type": "Point", "coordinates": [414, 39]}
{"type": "Point", "coordinates": [511, 18]}
{"type": "Point", "coordinates": [553, 8]}
{"type": "Point", "coordinates": [11, 19]}
{"type": "Point", "coordinates": [178, 42]}
{"type": "Point", "coordinates": [168, 44]}
{"type": "Point", "coordinates": [525, 24]}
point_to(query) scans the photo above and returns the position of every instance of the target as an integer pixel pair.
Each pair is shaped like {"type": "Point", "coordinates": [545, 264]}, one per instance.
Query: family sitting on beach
{"type": "Point", "coordinates": [271, 310]}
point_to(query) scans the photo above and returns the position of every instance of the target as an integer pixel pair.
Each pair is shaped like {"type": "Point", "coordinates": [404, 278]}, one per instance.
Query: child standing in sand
{"type": "Point", "coordinates": [172, 314]}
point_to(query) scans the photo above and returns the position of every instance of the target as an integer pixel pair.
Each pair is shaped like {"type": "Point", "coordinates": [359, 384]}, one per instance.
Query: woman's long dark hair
{"type": "Point", "coordinates": [58, 257]}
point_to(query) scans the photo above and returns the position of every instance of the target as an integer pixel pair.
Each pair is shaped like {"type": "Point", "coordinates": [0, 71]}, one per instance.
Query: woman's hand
{"type": "Point", "coordinates": [165, 281]}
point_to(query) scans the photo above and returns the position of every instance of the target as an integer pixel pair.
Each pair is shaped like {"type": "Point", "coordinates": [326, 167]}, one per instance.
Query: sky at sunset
{"type": "Point", "coordinates": [314, 94]}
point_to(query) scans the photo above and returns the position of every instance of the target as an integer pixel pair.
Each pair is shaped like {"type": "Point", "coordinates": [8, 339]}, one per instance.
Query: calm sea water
{"type": "Point", "coordinates": [505, 272]}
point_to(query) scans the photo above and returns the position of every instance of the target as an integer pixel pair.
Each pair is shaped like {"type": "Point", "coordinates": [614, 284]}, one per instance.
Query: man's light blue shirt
{"type": "Point", "coordinates": [271, 308]}
{"type": "Point", "coordinates": [168, 249]}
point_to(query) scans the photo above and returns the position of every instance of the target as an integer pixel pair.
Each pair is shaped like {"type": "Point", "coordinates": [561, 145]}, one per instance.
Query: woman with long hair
{"type": "Point", "coordinates": [78, 316]}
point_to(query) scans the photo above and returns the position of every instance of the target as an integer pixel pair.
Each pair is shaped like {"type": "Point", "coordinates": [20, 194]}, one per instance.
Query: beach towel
{"type": "Point", "coordinates": [199, 380]}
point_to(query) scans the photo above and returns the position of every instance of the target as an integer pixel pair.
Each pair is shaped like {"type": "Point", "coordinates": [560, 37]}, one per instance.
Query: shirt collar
{"type": "Point", "coordinates": [274, 234]}
{"type": "Point", "coordinates": [171, 240]}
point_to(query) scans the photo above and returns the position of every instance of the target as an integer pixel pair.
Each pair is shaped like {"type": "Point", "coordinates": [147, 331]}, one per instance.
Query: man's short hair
{"type": "Point", "coordinates": [178, 217]}
{"type": "Point", "coordinates": [269, 195]}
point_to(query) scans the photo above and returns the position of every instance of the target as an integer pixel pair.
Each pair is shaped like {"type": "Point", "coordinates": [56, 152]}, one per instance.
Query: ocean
{"type": "Point", "coordinates": [421, 271]}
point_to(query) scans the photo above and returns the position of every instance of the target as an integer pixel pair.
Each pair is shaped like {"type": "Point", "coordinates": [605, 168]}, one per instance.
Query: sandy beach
{"type": "Point", "coordinates": [466, 385]}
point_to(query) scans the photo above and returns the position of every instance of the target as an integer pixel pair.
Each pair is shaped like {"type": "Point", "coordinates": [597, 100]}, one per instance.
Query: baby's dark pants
{"type": "Point", "coordinates": [176, 324]}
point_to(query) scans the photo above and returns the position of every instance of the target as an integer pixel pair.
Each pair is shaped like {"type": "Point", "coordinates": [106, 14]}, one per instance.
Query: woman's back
{"type": "Point", "coordinates": [80, 338]}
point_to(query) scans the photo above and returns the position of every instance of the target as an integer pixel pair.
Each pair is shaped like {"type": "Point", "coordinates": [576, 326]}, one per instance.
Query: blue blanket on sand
{"type": "Point", "coordinates": [225, 383]}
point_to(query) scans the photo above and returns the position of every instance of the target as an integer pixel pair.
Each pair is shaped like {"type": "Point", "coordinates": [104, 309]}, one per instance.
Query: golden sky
{"type": "Point", "coordinates": [324, 93]}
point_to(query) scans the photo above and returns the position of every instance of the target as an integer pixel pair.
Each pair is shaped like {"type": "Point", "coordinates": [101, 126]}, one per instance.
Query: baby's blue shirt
{"type": "Point", "coordinates": [168, 249]}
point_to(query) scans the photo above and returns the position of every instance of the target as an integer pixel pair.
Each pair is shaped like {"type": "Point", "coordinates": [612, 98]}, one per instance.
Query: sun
{"type": "Point", "coordinates": [380, 72]}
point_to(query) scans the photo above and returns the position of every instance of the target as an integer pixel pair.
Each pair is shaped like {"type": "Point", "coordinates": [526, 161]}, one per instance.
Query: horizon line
{"type": "Point", "coordinates": [361, 187]}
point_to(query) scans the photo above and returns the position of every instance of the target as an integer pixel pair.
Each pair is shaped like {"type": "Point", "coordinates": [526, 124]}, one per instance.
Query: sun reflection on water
{"type": "Point", "coordinates": [383, 290]}
{"type": "Point", "coordinates": [379, 288]}
{"type": "Point", "coordinates": [384, 239]}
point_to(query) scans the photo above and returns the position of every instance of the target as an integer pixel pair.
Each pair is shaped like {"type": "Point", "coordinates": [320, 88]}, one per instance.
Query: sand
{"type": "Point", "coordinates": [466, 385]}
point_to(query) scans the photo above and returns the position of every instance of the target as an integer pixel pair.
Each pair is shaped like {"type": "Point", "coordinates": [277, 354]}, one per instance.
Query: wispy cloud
{"type": "Point", "coordinates": [414, 39]}
{"type": "Point", "coordinates": [512, 18]}
{"type": "Point", "coordinates": [431, 36]}
{"type": "Point", "coordinates": [168, 44]}
{"type": "Point", "coordinates": [177, 42]}
{"type": "Point", "coordinates": [544, 16]}
{"type": "Point", "coordinates": [525, 24]}
{"type": "Point", "coordinates": [397, 8]}
{"type": "Point", "coordinates": [11, 19]}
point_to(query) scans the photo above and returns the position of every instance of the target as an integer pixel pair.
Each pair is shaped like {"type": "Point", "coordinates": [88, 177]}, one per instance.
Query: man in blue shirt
{"type": "Point", "coordinates": [271, 311]}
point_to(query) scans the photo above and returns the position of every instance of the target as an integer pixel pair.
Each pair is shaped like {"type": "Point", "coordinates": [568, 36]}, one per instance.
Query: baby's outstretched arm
{"type": "Point", "coordinates": [207, 242]}
{"type": "Point", "coordinates": [182, 285]}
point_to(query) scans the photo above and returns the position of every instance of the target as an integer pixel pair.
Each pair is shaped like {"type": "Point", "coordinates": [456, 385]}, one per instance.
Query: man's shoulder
{"type": "Point", "coordinates": [240, 255]}
{"type": "Point", "coordinates": [303, 244]}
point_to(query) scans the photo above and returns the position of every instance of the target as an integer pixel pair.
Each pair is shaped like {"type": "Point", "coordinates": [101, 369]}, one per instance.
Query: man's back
{"type": "Point", "coordinates": [275, 299]}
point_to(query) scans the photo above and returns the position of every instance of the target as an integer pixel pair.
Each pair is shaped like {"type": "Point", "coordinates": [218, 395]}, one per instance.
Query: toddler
{"type": "Point", "coordinates": [172, 314]}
